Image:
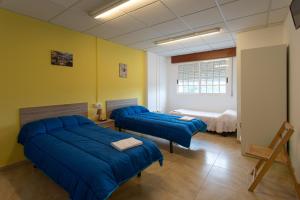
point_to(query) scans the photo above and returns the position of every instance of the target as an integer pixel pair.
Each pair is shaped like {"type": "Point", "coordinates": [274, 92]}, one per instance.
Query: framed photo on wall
{"type": "Point", "coordinates": [122, 70]}
{"type": "Point", "coordinates": [61, 58]}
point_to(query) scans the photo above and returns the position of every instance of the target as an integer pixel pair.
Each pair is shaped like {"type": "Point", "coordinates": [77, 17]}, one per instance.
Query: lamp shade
{"type": "Point", "coordinates": [97, 106]}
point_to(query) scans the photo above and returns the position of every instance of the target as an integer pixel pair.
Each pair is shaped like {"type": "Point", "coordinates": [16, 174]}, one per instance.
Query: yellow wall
{"type": "Point", "coordinates": [27, 78]}
{"type": "Point", "coordinates": [110, 85]}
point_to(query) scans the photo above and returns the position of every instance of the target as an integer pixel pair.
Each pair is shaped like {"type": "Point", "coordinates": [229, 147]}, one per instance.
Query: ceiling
{"type": "Point", "coordinates": [146, 21]}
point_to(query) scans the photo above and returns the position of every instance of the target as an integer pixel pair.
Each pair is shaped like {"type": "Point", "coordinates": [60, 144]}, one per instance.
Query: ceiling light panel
{"type": "Point", "coordinates": [110, 9]}
{"type": "Point", "coordinates": [188, 36]}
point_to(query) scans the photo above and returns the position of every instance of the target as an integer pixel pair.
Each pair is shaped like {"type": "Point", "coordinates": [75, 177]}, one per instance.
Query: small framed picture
{"type": "Point", "coordinates": [122, 70]}
{"type": "Point", "coordinates": [61, 58]}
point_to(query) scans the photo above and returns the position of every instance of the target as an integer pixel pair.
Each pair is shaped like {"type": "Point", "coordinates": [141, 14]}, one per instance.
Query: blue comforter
{"type": "Point", "coordinates": [77, 155]}
{"type": "Point", "coordinates": [139, 119]}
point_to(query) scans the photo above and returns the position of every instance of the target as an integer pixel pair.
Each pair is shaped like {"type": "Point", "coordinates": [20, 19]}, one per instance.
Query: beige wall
{"type": "Point", "coordinates": [269, 36]}
{"type": "Point", "coordinates": [292, 37]}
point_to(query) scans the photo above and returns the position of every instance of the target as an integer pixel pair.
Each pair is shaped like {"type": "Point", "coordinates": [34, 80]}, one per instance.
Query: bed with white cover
{"type": "Point", "coordinates": [218, 122]}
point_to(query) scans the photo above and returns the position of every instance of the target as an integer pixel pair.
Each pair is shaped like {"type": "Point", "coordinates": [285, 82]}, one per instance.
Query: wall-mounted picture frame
{"type": "Point", "coordinates": [122, 70]}
{"type": "Point", "coordinates": [61, 58]}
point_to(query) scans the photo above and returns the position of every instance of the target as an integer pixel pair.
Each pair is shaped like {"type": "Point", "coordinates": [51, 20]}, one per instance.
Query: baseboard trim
{"type": "Point", "coordinates": [14, 165]}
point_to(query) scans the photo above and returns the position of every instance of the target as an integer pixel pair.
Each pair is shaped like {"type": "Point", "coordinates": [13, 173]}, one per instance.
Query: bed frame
{"type": "Point", "coordinates": [42, 112]}
{"type": "Point", "coordinates": [36, 113]}
{"type": "Point", "coordinates": [120, 103]}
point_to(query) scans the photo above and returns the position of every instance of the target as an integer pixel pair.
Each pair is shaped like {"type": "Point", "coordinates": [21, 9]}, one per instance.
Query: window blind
{"type": "Point", "coordinates": [205, 77]}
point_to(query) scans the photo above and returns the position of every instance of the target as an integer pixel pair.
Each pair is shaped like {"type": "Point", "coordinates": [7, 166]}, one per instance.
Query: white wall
{"type": "Point", "coordinates": [269, 36]}
{"type": "Point", "coordinates": [157, 82]}
{"type": "Point", "coordinates": [292, 38]}
{"type": "Point", "coordinates": [212, 103]}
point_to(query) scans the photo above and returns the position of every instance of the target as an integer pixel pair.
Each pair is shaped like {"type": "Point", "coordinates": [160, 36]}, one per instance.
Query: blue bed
{"type": "Point", "coordinates": [77, 155]}
{"type": "Point", "coordinates": [169, 127]}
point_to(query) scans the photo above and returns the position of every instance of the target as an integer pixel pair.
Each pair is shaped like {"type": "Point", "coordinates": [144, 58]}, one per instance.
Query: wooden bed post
{"type": "Point", "coordinates": [171, 146]}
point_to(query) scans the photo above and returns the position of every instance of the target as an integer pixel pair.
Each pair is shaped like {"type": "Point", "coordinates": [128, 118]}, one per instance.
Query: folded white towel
{"type": "Point", "coordinates": [186, 118]}
{"type": "Point", "coordinates": [128, 143]}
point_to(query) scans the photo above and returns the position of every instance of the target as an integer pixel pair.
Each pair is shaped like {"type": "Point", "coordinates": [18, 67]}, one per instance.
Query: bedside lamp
{"type": "Point", "coordinates": [98, 106]}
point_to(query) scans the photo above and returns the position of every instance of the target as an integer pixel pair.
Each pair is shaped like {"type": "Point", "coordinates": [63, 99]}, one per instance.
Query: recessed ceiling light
{"type": "Point", "coordinates": [188, 36]}
{"type": "Point", "coordinates": [109, 9]}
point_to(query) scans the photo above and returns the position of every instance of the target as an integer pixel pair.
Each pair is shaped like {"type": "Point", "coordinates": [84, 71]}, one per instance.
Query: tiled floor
{"type": "Point", "coordinates": [212, 170]}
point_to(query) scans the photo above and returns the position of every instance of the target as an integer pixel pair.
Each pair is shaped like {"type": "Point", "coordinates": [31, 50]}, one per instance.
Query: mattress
{"type": "Point", "coordinates": [77, 154]}
{"type": "Point", "coordinates": [218, 122]}
{"type": "Point", "coordinates": [169, 127]}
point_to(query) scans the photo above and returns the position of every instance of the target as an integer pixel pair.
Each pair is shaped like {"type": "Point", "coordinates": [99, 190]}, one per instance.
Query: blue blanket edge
{"type": "Point", "coordinates": [158, 160]}
{"type": "Point", "coordinates": [160, 163]}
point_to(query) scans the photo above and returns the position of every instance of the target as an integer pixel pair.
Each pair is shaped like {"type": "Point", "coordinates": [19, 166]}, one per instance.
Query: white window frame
{"type": "Point", "coordinates": [229, 84]}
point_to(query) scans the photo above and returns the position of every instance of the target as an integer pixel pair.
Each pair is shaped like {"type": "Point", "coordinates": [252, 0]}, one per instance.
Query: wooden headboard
{"type": "Point", "coordinates": [120, 103]}
{"type": "Point", "coordinates": [35, 113]}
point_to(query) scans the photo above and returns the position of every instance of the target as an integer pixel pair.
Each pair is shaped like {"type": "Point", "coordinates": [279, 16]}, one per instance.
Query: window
{"type": "Point", "coordinates": [204, 77]}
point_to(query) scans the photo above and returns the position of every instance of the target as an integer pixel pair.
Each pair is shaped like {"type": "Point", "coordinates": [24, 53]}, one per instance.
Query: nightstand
{"type": "Point", "coordinates": [109, 123]}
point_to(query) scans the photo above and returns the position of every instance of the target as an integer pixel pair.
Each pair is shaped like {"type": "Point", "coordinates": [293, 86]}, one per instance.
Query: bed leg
{"type": "Point", "coordinates": [139, 174]}
{"type": "Point", "coordinates": [34, 166]}
{"type": "Point", "coordinates": [120, 129]}
{"type": "Point", "coordinates": [171, 147]}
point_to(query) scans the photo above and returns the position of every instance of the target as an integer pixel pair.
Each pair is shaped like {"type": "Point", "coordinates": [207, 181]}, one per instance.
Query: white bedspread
{"type": "Point", "coordinates": [219, 122]}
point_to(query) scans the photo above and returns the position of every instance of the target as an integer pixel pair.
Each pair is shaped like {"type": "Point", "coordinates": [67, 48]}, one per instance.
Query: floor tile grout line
{"type": "Point", "coordinates": [206, 176]}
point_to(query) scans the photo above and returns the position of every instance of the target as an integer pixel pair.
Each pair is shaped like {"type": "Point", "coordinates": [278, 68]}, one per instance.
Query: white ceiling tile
{"type": "Point", "coordinates": [153, 14]}
{"type": "Point", "coordinates": [278, 15]}
{"type": "Point", "coordinates": [222, 45]}
{"type": "Point", "coordinates": [173, 35]}
{"type": "Point", "coordinates": [88, 5]}
{"type": "Point", "coordinates": [234, 36]}
{"type": "Point", "coordinates": [219, 37]}
{"type": "Point", "coordinates": [143, 45]}
{"type": "Point", "coordinates": [193, 42]}
{"type": "Point", "coordinates": [65, 3]}
{"type": "Point", "coordinates": [116, 27]}
{"type": "Point", "coordinates": [244, 8]}
{"type": "Point", "coordinates": [42, 9]}
{"type": "Point", "coordinates": [166, 47]}
{"type": "Point", "coordinates": [200, 48]}
{"type": "Point", "coordinates": [75, 19]}
{"type": "Point", "coordinates": [280, 3]}
{"type": "Point", "coordinates": [247, 22]}
{"type": "Point", "coordinates": [226, 1]}
{"type": "Point", "coordinates": [171, 27]}
{"type": "Point", "coordinates": [175, 52]}
{"type": "Point", "coordinates": [137, 36]}
{"type": "Point", "coordinates": [203, 18]}
{"type": "Point", "coordinates": [184, 7]}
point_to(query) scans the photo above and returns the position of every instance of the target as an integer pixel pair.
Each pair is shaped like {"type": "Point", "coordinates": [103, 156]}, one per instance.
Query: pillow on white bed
{"type": "Point", "coordinates": [230, 113]}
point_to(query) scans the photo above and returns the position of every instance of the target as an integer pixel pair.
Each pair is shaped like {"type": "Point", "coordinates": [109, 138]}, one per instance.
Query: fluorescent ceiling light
{"type": "Point", "coordinates": [109, 9]}
{"type": "Point", "coordinates": [188, 36]}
